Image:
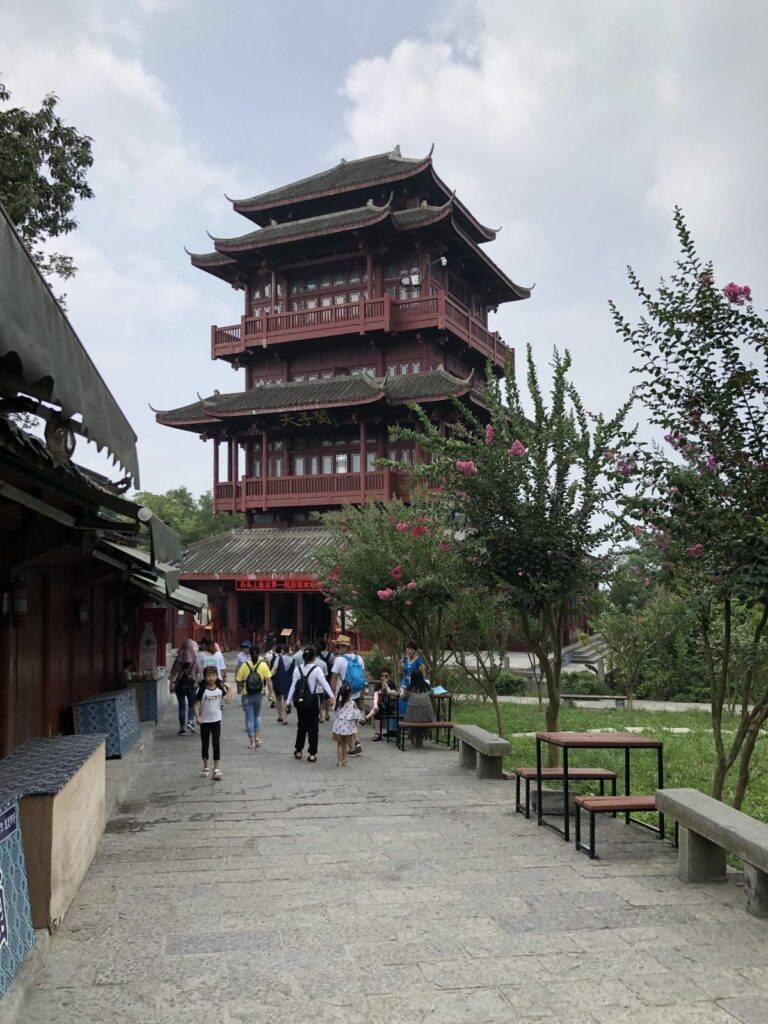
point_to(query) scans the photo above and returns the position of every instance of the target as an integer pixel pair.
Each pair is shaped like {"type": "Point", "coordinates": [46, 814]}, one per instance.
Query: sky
{"type": "Point", "coordinates": [576, 126]}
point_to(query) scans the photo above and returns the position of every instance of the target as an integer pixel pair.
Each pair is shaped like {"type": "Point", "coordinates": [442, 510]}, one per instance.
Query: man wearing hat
{"type": "Point", "coordinates": [349, 667]}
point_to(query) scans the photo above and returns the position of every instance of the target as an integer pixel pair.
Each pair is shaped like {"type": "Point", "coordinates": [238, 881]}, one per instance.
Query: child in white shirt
{"type": "Point", "coordinates": [345, 724]}
{"type": "Point", "coordinates": [208, 703]}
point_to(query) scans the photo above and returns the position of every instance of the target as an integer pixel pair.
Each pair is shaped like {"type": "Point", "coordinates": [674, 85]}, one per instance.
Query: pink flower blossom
{"type": "Point", "coordinates": [625, 467]}
{"type": "Point", "coordinates": [397, 572]}
{"type": "Point", "coordinates": [518, 448]}
{"type": "Point", "coordinates": [403, 527]}
{"type": "Point", "coordinates": [675, 490]}
{"type": "Point", "coordinates": [489, 434]}
{"type": "Point", "coordinates": [409, 603]}
{"type": "Point", "coordinates": [384, 595]}
{"type": "Point", "coordinates": [695, 551]}
{"type": "Point", "coordinates": [737, 294]}
{"type": "Point", "coordinates": [334, 576]}
{"type": "Point", "coordinates": [706, 278]}
{"type": "Point", "coordinates": [445, 547]}
{"type": "Point", "coordinates": [638, 531]}
{"type": "Point", "coordinates": [712, 462]}
{"type": "Point", "coordinates": [609, 456]}
{"type": "Point", "coordinates": [411, 585]}
{"type": "Point", "coordinates": [419, 531]}
{"type": "Point", "coordinates": [468, 468]}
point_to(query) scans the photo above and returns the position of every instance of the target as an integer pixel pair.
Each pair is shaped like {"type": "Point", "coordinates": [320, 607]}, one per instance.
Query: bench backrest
{"type": "Point", "coordinates": [720, 824]}
{"type": "Point", "coordinates": [486, 742]}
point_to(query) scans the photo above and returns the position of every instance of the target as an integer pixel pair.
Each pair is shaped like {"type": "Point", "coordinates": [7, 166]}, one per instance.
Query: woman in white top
{"type": "Point", "coordinates": [308, 684]}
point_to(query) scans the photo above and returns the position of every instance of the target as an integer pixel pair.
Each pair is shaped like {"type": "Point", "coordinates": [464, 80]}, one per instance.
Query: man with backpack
{"type": "Point", "coordinates": [309, 684]}
{"type": "Point", "coordinates": [252, 679]}
{"type": "Point", "coordinates": [349, 668]}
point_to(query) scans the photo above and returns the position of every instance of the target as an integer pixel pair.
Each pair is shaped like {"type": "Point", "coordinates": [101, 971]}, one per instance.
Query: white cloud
{"type": "Point", "coordinates": [579, 127]}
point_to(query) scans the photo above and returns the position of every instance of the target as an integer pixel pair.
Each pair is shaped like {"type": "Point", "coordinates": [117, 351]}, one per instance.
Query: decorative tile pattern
{"type": "Point", "coordinates": [151, 696]}
{"type": "Point", "coordinates": [16, 933]}
{"type": "Point", "coordinates": [44, 766]}
{"type": "Point", "coordinates": [114, 715]}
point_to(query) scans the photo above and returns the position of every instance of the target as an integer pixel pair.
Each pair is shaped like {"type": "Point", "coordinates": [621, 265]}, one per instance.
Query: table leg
{"type": "Point", "coordinates": [660, 765]}
{"type": "Point", "coordinates": [626, 780]}
{"type": "Point", "coordinates": [567, 817]}
{"type": "Point", "coordinates": [538, 781]}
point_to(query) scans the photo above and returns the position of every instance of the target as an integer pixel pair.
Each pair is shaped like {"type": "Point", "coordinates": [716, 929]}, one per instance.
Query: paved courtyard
{"type": "Point", "coordinates": [397, 889]}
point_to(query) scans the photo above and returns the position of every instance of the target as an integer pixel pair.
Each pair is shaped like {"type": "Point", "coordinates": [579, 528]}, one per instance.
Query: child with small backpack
{"type": "Point", "coordinates": [252, 679]}
{"type": "Point", "coordinates": [309, 684]}
{"type": "Point", "coordinates": [345, 723]}
{"type": "Point", "coordinates": [210, 697]}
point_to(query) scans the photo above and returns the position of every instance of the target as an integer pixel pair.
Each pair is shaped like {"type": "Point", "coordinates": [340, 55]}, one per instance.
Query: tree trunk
{"type": "Point", "coordinates": [746, 757]}
{"type": "Point", "coordinates": [497, 709]}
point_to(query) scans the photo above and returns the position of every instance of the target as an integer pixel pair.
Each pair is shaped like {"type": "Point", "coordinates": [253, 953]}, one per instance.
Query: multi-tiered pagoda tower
{"type": "Point", "coordinates": [366, 289]}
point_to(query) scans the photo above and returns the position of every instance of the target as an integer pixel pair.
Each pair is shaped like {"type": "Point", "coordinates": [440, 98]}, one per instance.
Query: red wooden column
{"type": "Point", "coordinates": [300, 615]}
{"type": "Point", "coordinates": [264, 468]}
{"type": "Point", "coordinates": [267, 611]}
{"type": "Point", "coordinates": [369, 275]}
{"type": "Point", "coordinates": [215, 467]}
{"type": "Point", "coordinates": [363, 457]}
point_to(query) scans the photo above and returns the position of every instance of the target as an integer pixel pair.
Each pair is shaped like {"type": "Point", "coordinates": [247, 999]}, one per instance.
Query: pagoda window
{"type": "Point", "coordinates": [415, 367]}
{"type": "Point", "coordinates": [391, 370]}
{"type": "Point", "coordinates": [401, 454]}
{"type": "Point", "coordinates": [326, 281]}
{"type": "Point", "coordinates": [342, 462]}
{"type": "Point", "coordinates": [403, 367]}
{"type": "Point", "coordinates": [355, 462]}
{"type": "Point", "coordinates": [311, 303]}
{"type": "Point", "coordinates": [313, 464]}
{"type": "Point", "coordinates": [354, 296]}
{"type": "Point", "coordinates": [311, 284]}
{"type": "Point", "coordinates": [299, 465]}
{"type": "Point", "coordinates": [325, 300]}
{"type": "Point", "coordinates": [276, 466]}
{"type": "Point", "coordinates": [298, 286]}
{"type": "Point", "coordinates": [326, 375]}
{"type": "Point", "coordinates": [355, 275]}
{"type": "Point", "coordinates": [256, 466]}
{"type": "Point", "coordinates": [299, 377]}
{"type": "Point", "coordinates": [370, 461]}
{"type": "Point", "coordinates": [327, 464]}
{"type": "Point", "coordinates": [340, 299]}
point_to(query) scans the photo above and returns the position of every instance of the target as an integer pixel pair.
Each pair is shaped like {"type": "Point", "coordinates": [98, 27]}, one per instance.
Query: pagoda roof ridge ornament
{"type": "Point", "coordinates": [431, 151]}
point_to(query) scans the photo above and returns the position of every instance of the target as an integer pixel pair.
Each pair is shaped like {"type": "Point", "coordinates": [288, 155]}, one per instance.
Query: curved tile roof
{"type": "Point", "coordinates": [256, 552]}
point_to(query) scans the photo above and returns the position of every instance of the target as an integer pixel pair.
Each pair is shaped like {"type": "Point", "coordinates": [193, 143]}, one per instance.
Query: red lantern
{"type": "Point", "coordinates": [19, 601]}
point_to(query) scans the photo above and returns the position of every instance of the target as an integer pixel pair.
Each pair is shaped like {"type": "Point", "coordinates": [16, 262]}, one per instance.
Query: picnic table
{"type": "Point", "coordinates": [567, 741]}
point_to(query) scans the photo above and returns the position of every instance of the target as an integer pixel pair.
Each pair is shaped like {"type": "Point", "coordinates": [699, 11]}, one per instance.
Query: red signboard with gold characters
{"type": "Point", "coordinates": [278, 584]}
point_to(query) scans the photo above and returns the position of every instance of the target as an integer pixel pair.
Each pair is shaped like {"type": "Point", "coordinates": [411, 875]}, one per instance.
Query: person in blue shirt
{"type": "Point", "coordinates": [410, 662]}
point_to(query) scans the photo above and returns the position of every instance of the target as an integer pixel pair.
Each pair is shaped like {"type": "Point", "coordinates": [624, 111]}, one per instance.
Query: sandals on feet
{"type": "Point", "coordinates": [204, 773]}
{"type": "Point", "coordinates": [312, 758]}
{"type": "Point", "coordinates": [297, 754]}
{"type": "Point", "coordinates": [217, 774]}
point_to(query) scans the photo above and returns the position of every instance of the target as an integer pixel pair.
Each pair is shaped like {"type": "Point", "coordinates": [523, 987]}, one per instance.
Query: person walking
{"type": "Point", "coordinates": [344, 723]}
{"type": "Point", "coordinates": [252, 678]}
{"type": "Point", "coordinates": [282, 677]}
{"type": "Point", "coordinates": [412, 661]}
{"type": "Point", "coordinates": [184, 679]}
{"type": "Point", "coordinates": [208, 703]}
{"type": "Point", "coordinates": [270, 656]}
{"type": "Point", "coordinates": [308, 686]}
{"type": "Point", "coordinates": [208, 655]}
{"type": "Point", "coordinates": [349, 668]}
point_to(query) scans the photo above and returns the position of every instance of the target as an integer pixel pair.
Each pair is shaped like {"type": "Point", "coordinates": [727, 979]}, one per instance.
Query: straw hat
{"type": "Point", "coordinates": [343, 640]}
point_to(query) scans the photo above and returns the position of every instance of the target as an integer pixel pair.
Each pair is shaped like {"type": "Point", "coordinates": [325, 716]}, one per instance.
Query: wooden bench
{"type": "Point", "coordinates": [403, 727]}
{"type": "Point", "coordinates": [613, 805]}
{"type": "Point", "coordinates": [569, 699]}
{"type": "Point", "coordinates": [707, 829]}
{"type": "Point", "coordinates": [528, 775]}
{"type": "Point", "coordinates": [484, 751]}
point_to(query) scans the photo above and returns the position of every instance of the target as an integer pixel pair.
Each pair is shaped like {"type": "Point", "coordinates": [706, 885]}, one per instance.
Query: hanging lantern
{"type": "Point", "coordinates": [19, 601]}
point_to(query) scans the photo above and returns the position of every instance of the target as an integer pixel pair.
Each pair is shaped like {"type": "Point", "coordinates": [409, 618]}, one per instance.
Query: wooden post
{"type": "Point", "coordinates": [215, 467]}
{"type": "Point", "coordinates": [363, 458]}
{"type": "Point", "coordinates": [369, 275]}
{"type": "Point", "coordinates": [267, 611]}
{"type": "Point", "coordinates": [300, 615]}
{"type": "Point", "coordinates": [264, 468]}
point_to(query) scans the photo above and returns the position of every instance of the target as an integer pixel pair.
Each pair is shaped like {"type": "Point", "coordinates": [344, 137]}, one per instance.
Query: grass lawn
{"type": "Point", "coordinates": [688, 757]}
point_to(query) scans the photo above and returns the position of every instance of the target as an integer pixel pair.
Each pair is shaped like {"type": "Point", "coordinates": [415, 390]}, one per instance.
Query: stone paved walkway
{"type": "Point", "coordinates": [397, 889]}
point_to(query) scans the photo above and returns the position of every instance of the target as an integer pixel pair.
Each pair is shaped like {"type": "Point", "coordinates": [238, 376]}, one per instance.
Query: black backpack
{"type": "Point", "coordinates": [303, 691]}
{"type": "Point", "coordinates": [254, 683]}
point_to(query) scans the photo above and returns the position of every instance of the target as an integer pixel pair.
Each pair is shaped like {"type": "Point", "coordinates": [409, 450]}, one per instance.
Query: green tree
{"type": "Point", "coordinates": [192, 518]}
{"type": "Point", "coordinates": [397, 568]}
{"type": "Point", "coordinates": [637, 619]}
{"type": "Point", "coordinates": [43, 167]}
{"type": "Point", "coordinates": [534, 499]}
{"type": "Point", "coordinates": [701, 356]}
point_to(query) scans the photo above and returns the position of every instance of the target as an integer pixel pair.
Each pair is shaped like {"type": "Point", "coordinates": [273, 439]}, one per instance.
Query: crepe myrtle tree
{"type": "Point", "coordinates": [702, 359]}
{"type": "Point", "coordinates": [534, 496]}
{"type": "Point", "coordinates": [397, 568]}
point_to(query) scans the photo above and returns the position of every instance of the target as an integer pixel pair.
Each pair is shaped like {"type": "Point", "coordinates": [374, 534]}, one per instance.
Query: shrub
{"type": "Point", "coordinates": [510, 685]}
{"type": "Point", "coordinates": [583, 683]}
{"type": "Point", "coordinates": [376, 660]}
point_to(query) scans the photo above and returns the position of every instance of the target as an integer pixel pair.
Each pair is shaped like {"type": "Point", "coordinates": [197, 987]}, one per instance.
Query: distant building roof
{"type": "Point", "coordinates": [320, 394]}
{"type": "Point", "coordinates": [255, 552]}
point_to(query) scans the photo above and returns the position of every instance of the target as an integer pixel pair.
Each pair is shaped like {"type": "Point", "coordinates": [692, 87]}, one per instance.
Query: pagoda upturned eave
{"type": "Point", "coordinates": [349, 176]}
{"type": "Point", "coordinates": [294, 396]}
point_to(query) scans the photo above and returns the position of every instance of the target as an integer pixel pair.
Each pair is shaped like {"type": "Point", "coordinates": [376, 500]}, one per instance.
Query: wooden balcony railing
{"type": "Point", "coordinates": [384, 313]}
{"type": "Point", "coordinates": [308, 491]}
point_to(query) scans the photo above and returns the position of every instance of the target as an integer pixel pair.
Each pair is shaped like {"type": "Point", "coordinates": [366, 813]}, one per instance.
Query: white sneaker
{"type": "Point", "coordinates": [191, 727]}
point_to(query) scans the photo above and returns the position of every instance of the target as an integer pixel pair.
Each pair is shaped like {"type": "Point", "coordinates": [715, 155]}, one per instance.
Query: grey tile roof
{"type": "Point", "coordinates": [258, 551]}
{"type": "Point", "coordinates": [315, 394]}
{"type": "Point", "coordinates": [325, 224]}
{"type": "Point", "coordinates": [345, 175]}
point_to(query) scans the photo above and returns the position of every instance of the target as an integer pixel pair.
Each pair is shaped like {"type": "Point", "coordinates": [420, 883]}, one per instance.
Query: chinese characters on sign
{"type": "Point", "coordinates": [277, 585]}
{"type": "Point", "coordinates": [320, 417]}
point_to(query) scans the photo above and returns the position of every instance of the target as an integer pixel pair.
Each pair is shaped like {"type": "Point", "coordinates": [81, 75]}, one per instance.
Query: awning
{"type": "Point", "coordinates": [163, 587]}
{"type": "Point", "coordinates": [41, 355]}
